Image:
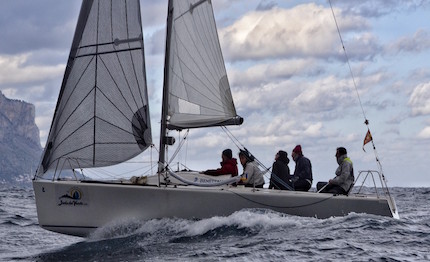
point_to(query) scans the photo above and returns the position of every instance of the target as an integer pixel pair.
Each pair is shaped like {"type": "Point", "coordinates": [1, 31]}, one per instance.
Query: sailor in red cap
{"type": "Point", "coordinates": [302, 177]}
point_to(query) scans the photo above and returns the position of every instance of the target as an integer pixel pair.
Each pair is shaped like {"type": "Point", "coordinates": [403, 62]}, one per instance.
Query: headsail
{"type": "Point", "coordinates": [198, 89]}
{"type": "Point", "coordinates": [102, 115]}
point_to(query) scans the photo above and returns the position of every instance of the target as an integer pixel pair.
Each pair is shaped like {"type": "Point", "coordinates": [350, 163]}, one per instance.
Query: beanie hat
{"type": "Point", "coordinates": [298, 150]}
{"type": "Point", "coordinates": [228, 153]}
{"type": "Point", "coordinates": [283, 156]}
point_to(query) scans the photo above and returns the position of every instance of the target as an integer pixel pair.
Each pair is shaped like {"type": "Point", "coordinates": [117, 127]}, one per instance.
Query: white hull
{"type": "Point", "coordinates": [78, 208]}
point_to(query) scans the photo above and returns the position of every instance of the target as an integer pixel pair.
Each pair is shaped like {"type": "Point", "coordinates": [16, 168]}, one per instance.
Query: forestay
{"type": "Point", "coordinates": [198, 89]}
{"type": "Point", "coordinates": [102, 115]}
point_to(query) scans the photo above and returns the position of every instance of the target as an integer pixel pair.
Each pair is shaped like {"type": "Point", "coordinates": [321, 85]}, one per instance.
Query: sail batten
{"type": "Point", "coordinates": [102, 111]}
{"type": "Point", "coordinates": [199, 93]}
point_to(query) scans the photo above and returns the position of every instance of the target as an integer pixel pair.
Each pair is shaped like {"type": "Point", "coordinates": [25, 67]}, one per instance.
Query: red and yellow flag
{"type": "Point", "coordinates": [367, 139]}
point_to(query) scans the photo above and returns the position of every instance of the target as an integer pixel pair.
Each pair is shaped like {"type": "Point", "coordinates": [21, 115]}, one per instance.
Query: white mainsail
{"type": "Point", "coordinates": [198, 89]}
{"type": "Point", "coordinates": [102, 115]}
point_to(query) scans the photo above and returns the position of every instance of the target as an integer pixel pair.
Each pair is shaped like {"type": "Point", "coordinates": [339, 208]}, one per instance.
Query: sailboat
{"type": "Point", "coordinates": [102, 119]}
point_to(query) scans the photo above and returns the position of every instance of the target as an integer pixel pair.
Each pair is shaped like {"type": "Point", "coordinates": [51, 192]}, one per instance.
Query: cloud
{"type": "Point", "coordinates": [266, 5]}
{"type": "Point", "coordinates": [15, 69]}
{"type": "Point", "coordinates": [324, 94]}
{"type": "Point", "coordinates": [32, 25]}
{"type": "Point", "coordinates": [419, 101]}
{"type": "Point", "coordinates": [152, 42]}
{"type": "Point", "coordinates": [378, 8]}
{"type": "Point", "coordinates": [276, 70]}
{"type": "Point", "coordinates": [301, 31]}
{"type": "Point", "coordinates": [416, 43]}
{"type": "Point", "coordinates": [424, 133]}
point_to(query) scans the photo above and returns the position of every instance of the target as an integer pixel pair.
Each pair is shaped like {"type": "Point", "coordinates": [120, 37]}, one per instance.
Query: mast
{"type": "Point", "coordinates": [165, 103]}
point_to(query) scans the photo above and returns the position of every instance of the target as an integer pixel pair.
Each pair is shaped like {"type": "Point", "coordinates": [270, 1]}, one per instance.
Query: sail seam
{"type": "Point", "coordinates": [76, 108]}
{"type": "Point", "coordinates": [179, 40]}
{"type": "Point", "coordinates": [196, 89]}
{"type": "Point", "coordinates": [95, 84]}
{"type": "Point", "coordinates": [70, 96]}
{"type": "Point", "coordinates": [109, 52]}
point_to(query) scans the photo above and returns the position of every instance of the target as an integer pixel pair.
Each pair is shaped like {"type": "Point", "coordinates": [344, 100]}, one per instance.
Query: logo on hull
{"type": "Point", "coordinates": [73, 197]}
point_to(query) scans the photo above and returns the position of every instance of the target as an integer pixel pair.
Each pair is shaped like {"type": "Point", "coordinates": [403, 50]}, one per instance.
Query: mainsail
{"type": "Point", "coordinates": [102, 115]}
{"type": "Point", "coordinates": [198, 89]}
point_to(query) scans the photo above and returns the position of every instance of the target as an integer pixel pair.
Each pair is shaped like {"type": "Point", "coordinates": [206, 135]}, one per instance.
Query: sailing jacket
{"type": "Point", "coordinates": [303, 170]}
{"type": "Point", "coordinates": [344, 173]}
{"type": "Point", "coordinates": [280, 171]}
{"type": "Point", "coordinates": [252, 175]}
{"type": "Point", "coordinates": [228, 166]}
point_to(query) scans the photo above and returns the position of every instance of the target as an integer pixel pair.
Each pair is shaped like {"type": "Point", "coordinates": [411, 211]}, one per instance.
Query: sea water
{"type": "Point", "coordinates": [247, 235]}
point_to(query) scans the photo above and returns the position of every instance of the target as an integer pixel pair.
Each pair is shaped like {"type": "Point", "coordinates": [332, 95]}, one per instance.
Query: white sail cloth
{"type": "Point", "coordinates": [198, 87]}
{"type": "Point", "coordinates": [102, 115]}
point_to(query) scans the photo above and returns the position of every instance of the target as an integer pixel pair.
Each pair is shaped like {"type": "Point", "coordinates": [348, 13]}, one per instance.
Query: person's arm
{"type": "Point", "coordinates": [306, 169]}
{"type": "Point", "coordinates": [272, 179]}
{"type": "Point", "coordinates": [303, 170]}
{"type": "Point", "coordinates": [213, 172]}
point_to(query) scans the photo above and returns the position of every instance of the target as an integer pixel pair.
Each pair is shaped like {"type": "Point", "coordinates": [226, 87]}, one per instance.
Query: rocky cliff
{"type": "Point", "coordinates": [20, 148]}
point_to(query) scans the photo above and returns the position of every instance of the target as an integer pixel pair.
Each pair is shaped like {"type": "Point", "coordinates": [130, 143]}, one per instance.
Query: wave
{"type": "Point", "coordinates": [251, 220]}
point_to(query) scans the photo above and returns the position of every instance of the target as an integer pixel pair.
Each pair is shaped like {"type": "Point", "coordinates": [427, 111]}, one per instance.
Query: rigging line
{"type": "Point", "coordinates": [273, 206]}
{"type": "Point", "coordinates": [186, 151]}
{"type": "Point", "coordinates": [277, 179]}
{"type": "Point", "coordinates": [63, 156]}
{"type": "Point", "coordinates": [355, 86]}
{"type": "Point", "coordinates": [358, 95]}
{"type": "Point", "coordinates": [179, 147]}
{"type": "Point", "coordinates": [224, 128]}
{"type": "Point", "coordinates": [233, 138]}
{"type": "Point", "coordinates": [266, 170]}
{"type": "Point", "coordinates": [86, 146]}
{"type": "Point", "coordinates": [349, 64]}
{"type": "Point", "coordinates": [236, 141]}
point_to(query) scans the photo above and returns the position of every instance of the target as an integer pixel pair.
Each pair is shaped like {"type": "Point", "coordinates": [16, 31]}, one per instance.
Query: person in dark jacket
{"type": "Point", "coordinates": [228, 165]}
{"type": "Point", "coordinates": [302, 177]}
{"type": "Point", "coordinates": [280, 172]}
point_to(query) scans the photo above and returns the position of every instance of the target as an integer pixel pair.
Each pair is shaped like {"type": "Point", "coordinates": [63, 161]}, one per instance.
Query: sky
{"type": "Point", "coordinates": [288, 73]}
